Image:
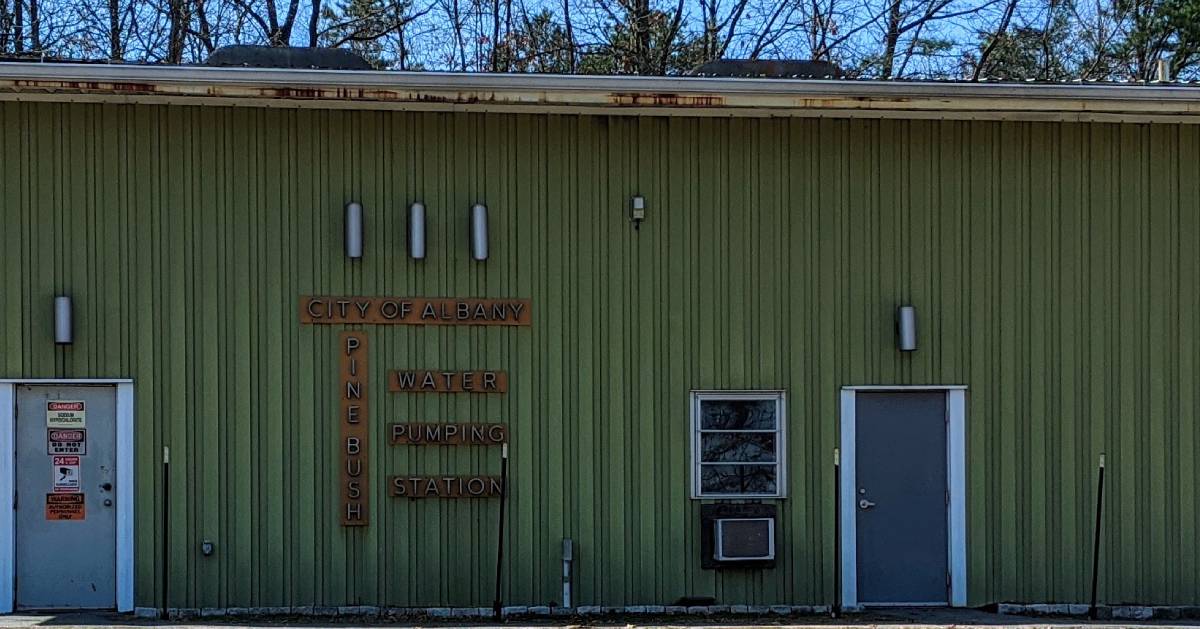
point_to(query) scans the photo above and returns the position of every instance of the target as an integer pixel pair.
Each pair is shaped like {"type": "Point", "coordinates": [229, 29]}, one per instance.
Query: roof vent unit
{"type": "Point", "coordinates": [744, 539]}
{"type": "Point", "coordinates": [242, 56]}
{"type": "Point", "coordinates": [769, 69]}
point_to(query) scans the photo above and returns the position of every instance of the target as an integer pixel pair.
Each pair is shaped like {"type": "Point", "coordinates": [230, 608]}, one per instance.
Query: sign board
{"type": "Point", "coordinates": [66, 474]}
{"type": "Point", "coordinates": [446, 486]}
{"type": "Point", "coordinates": [447, 381]}
{"type": "Point", "coordinates": [353, 420]}
{"type": "Point", "coordinates": [65, 414]}
{"type": "Point", "coordinates": [64, 507]}
{"type": "Point", "coordinates": [66, 441]}
{"type": "Point", "coordinates": [414, 311]}
{"type": "Point", "coordinates": [449, 434]}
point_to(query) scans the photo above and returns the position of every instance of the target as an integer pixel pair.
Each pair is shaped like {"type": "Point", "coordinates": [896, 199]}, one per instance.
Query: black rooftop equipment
{"type": "Point", "coordinates": [769, 68]}
{"type": "Point", "coordinates": [287, 57]}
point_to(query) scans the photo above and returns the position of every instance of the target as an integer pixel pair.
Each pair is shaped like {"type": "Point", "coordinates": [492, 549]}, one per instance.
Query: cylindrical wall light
{"type": "Point", "coordinates": [416, 231]}
{"type": "Point", "coordinates": [354, 230]}
{"type": "Point", "coordinates": [479, 232]}
{"type": "Point", "coordinates": [906, 328]}
{"type": "Point", "coordinates": [64, 331]}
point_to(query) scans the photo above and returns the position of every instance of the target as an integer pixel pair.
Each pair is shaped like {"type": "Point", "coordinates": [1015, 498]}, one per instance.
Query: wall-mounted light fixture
{"type": "Point", "coordinates": [906, 328]}
{"type": "Point", "coordinates": [354, 230]}
{"type": "Point", "coordinates": [64, 330]}
{"type": "Point", "coordinates": [479, 232]}
{"type": "Point", "coordinates": [416, 231]}
{"type": "Point", "coordinates": [637, 210]}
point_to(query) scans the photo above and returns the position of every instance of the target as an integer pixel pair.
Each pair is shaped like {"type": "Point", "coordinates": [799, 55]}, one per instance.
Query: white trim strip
{"type": "Point", "coordinates": [619, 95]}
{"type": "Point", "coordinates": [957, 444]}
{"type": "Point", "coordinates": [849, 524]}
{"type": "Point", "coordinates": [8, 521]}
{"type": "Point", "coordinates": [930, 604]}
{"type": "Point", "coordinates": [66, 383]}
{"type": "Point", "coordinates": [905, 387]}
{"type": "Point", "coordinates": [125, 496]}
{"type": "Point", "coordinates": [185, 75]}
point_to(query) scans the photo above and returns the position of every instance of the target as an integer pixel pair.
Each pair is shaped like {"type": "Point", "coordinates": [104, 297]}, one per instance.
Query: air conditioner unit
{"type": "Point", "coordinates": [744, 539]}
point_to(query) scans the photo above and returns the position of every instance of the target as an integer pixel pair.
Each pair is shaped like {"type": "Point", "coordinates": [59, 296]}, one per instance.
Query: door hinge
{"type": "Point", "coordinates": [947, 497]}
{"type": "Point", "coordinates": [16, 496]}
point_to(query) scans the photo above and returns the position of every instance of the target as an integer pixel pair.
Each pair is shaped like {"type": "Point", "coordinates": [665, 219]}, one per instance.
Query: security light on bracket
{"type": "Point", "coordinates": [637, 210]}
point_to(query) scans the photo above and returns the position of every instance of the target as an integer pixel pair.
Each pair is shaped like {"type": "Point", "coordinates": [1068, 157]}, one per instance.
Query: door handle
{"type": "Point", "coordinates": [106, 486]}
{"type": "Point", "coordinates": [865, 504]}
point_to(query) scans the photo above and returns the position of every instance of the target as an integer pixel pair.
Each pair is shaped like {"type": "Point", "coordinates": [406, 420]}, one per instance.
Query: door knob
{"type": "Point", "coordinates": [865, 504]}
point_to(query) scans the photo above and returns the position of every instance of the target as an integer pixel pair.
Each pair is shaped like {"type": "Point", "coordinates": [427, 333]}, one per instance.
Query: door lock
{"type": "Point", "coordinates": [865, 504]}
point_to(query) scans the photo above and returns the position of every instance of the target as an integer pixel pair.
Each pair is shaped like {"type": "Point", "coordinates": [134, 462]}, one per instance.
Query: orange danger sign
{"type": "Point", "coordinates": [64, 507]}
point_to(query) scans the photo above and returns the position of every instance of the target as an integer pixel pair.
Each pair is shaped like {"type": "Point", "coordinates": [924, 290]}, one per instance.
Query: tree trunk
{"type": "Point", "coordinates": [116, 50]}
{"type": "Point", "coordinates": [458, 36]}
{"type": "Point", "coordinates": [5, 25]}
{"type": "Point", "coordinates": [314, 21]}
{"type": "Point", "coordinates": [495, 36]}
{"type": "Point", "coordinates": [284, 38]}
{"type": "Point", "coordinates": [178, 30]}
{"type": "Point", "coordinates": [1001, 29]}
{"type": "Point", "coordinates": [35, 27]}
{"type": "Point", "coordinates": [891, 38]}
{"type": "Point", "coordinates": [205, 34]}
{"type": "Point", "coordinates": [570, 36]}
{"type": "Point", "coordinates": [641, 20]}
{"type": "Point", "coordinates": [19, 26]}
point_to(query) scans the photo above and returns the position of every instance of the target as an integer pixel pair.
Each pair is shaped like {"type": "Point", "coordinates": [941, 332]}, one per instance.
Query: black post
{"type": "Point", "coordinates": [496, 603]}
{"type": "Point", "coordinates": [166, 510]}
{"type": "Point", "coordinates": [1096, 541]}
{"type": "Point", "coordinates": [837, 534]}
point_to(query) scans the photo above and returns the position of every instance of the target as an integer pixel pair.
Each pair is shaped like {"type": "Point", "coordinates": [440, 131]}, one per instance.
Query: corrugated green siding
{"type": "Point", "coordinates": [1054, 267]}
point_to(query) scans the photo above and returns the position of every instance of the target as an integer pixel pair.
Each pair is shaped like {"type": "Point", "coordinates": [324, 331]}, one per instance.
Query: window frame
{"type": "Point", "coordinates": [698, 397]}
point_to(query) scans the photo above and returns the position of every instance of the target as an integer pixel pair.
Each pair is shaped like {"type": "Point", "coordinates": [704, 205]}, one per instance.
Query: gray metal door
{"type": "Point", "coordinates": [66, 500]}
{"type": "Point", "coordinates": [900, 470]}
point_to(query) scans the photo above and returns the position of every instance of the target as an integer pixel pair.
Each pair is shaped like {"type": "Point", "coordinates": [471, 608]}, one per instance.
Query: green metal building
{"type": "Point", "coordinates": [693, 291]}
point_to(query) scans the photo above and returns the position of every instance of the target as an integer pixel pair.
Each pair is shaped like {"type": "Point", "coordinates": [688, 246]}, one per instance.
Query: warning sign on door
{"type": "Point", "coordinates": [66, 474]}
{"type": "Point", "coordinates": [65, 414]}
{"type": "Point", "coordinates": [64, 507]}
{"type": "Point", "coordinates": [64, 441]}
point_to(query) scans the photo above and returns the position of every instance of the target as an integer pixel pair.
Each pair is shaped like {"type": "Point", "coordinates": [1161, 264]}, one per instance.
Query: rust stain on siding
{"type": "Point", "coordinates": [84, 86]}
{"type": "Point", "coordinates": [628, 99]}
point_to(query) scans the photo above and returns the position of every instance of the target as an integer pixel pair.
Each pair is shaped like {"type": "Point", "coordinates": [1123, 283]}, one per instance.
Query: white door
{"type": "Point", "coordinates": [66, 497]}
